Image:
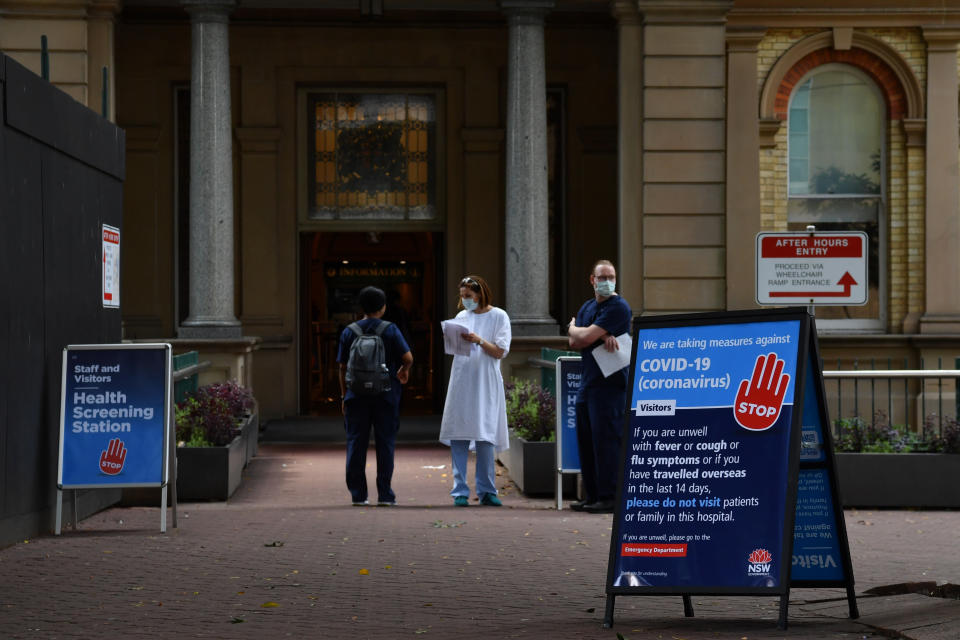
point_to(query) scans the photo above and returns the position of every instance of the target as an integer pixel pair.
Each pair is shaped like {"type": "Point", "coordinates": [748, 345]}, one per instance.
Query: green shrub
{"type": "Point", "coordinates": [209, 416]}
{"type": "Point", "coordinates": [854, 435]}
{"type": "Point", "coordinates": [531, 411]}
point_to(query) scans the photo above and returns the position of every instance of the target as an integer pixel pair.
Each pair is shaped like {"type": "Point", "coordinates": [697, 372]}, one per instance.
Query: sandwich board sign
{"type": "Point", "coordinates": [727, 479]}
{"type": "Point", "coordinates": [812, 268]}
{"type": "Point", "coordinates": [115, 419]}
{"type": "Point", "coordinates": [568, 453]}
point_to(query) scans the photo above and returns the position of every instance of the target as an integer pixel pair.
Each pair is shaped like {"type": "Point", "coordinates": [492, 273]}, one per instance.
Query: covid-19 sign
{"type": "Point", "coordinates": [724, 470]}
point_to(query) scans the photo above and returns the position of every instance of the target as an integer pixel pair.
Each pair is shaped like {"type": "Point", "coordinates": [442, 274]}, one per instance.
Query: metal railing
{"type": "Point", "coordinates": [914, 398]}
{"type": "Point", "coordinates": [186, 369]}
{"type": "Point", "coordinates": [191, 370]}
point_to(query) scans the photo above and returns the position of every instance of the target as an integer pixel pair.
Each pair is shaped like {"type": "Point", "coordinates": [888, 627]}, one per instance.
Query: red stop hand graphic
{"type": "Point", "coordinates": [111, 460]}
{"type": "Point", "coordinates": [760, 398]}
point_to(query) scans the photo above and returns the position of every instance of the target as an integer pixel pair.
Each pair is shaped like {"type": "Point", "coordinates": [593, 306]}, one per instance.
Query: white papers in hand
{"type": "Point", "coordinates": [612, 361]}
{"type": "Point", "coordinates": [453, 342]}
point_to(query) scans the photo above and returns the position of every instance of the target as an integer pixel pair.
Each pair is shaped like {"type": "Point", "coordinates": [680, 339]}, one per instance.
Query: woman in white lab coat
{"type": "Point", "coordinates": [475, 412]}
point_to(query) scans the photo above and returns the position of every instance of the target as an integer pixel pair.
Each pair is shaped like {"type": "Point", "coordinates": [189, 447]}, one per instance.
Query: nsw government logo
{"type": "Point", "coordinates": [758, 563]}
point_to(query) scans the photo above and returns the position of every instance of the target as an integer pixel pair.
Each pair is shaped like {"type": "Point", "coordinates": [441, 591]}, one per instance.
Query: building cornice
{"type": "Point", "coordinates": [60, 9]}
{"type": "Point", "coordinates": [782, 16]}
{"type": "Point", "coordinates": [625, 11]}
{"type": "Point", "coordinates": [685, 11]}
{"type": "Point", "coordinates": [744, 39]}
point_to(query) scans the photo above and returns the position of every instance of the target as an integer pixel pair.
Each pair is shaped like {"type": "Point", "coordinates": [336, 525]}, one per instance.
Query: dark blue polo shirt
{"type": "Point", "coordinates": [394, 345]}
{"type": "Point", "coordinates": [613, 315]}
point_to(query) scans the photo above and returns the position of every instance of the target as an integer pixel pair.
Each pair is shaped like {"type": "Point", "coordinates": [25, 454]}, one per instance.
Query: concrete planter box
{"type": "Point", "coordinates": [214, 473]}
{"type": "Point", "coordinates": [533, 467]}
{"type": "Point", "coordinates": [210, 473]}
{"type": "Point", "coordinates": [899, 479]}
{"type": "Point", "coordinates": [250, 431]}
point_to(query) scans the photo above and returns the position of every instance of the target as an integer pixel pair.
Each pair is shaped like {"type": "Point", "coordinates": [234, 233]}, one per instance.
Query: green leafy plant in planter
{"type": "Point", "coordinates": [209, 416]}
{"type": "Point", "coordinates": [884, 465]}
{"type": "Point", "coordinates": [531, 411]}
{"type": "Point", "coordinates": [855, 435]}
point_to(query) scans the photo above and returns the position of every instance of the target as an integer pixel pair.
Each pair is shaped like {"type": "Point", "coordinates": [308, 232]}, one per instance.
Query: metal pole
{"type": "Point", "coordinates": [811, 308]}
{"type": "Point", "coordinates": [956, 391]}
{"type": "Point", "coordinates": [44, 59]}
{"type": "Point", "coordinates": [608, 612]}
{"type": "Point", "coordinates": [59, 508]}
{"type": "Point", "coordinates": [104, 95]}
{"type": "Point", "coordinates": [559, 490]}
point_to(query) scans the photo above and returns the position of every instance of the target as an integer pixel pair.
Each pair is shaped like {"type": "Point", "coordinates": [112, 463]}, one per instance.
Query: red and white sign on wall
{"type": "Point", "coordinates": [812, 268]}
{"type": "Point", "coordinates": [111, 266]}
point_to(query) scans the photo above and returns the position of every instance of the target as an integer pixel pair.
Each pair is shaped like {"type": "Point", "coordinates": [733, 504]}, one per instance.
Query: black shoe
{"type": "Point", "coordinates": [600, 506]}
{"type": "Point", "coordinates": [580, 504]}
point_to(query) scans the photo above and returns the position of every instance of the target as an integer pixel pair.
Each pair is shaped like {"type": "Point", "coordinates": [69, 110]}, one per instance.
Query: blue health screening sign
{"type": "Point", "coordinates": [706, 460]}
{"type": "Point", "coordinates": [114, 417]}
{"type": "Point", "coordinates": [568, 383]}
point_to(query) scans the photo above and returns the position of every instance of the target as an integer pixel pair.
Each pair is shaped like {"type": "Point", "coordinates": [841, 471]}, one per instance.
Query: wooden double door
{"type": "Point", "coordinates": [334, 268]}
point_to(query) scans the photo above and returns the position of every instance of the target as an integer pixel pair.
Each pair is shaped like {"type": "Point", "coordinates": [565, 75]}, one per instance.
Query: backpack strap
{"type": "Point", "coordinates": [353, 326]}
{"type": "Point", "coordinates": [382, 327]}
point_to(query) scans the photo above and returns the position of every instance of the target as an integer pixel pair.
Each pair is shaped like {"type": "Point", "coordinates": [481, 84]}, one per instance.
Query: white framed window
{"type": "Point", "coordinates": [836, 173]}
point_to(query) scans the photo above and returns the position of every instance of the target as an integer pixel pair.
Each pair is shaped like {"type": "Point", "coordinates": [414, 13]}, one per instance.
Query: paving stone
{"type": "Point", "coordinates": [285, 557]}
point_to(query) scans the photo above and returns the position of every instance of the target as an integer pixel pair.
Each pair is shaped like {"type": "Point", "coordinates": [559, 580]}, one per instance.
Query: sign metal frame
{"type": "Point", "coordinates": [807, 356]}
{"type": "Point", "coordinates": [166, 466]}
{"type": "Point", "coordinates": [560, 396]}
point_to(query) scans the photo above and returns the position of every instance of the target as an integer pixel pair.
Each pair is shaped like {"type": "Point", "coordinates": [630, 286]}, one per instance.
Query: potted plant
{"type": "Point", "coordinates": [531, 460]}
{"type": "Point", "coordinates": [216, 431]}
{"type": "Point", "coordinates": [884, 465]}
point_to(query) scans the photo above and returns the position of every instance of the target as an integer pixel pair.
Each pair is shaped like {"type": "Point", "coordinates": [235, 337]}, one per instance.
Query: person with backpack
{"type": "Point", "coordinates": [374, 362]}
{"type": "Point", "coordinates": [475, 411]}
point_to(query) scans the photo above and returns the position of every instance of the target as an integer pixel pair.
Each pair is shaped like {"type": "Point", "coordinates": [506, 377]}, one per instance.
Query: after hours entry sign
{"type": "Point", "coordinates": [711, 458]}
{"type": "Point", "coordinates": [819, 268]}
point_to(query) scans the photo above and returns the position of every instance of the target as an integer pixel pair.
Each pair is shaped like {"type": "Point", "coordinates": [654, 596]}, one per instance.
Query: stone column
{"type": "Point", "coordinates": [211, 175]}
{"type": "Point", "coordinates": [684, 155]}
{"type": "Point", "coordinates": [527, 235]}
{"type": "Point", "coordinates": [101, 16]}
{"type": "Point", "coordinates": [942, 309]}
{"type": "Point", "coordinates": [743, 166]}
{"type": "Point", "coordinates": [629, 153]}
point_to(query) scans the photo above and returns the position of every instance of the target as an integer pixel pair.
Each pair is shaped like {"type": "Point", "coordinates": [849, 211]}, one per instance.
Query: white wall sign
{"type": "Point", "coordinates": [111, 266]}
{"type": "Point", "coordinates": [812, 268]}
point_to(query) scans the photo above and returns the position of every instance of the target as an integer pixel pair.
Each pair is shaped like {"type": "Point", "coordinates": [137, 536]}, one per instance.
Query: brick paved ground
{"type": "Point", "coordinates": [288, 557]}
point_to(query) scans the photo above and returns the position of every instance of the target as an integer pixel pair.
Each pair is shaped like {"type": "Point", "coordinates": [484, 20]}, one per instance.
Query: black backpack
{"type": "Point", "coordinates": [367, 373]}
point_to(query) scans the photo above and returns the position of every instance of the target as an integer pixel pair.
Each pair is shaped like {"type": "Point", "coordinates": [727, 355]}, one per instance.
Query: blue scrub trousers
{"type": "Point", "coordinates": [486, 470]}
{"type": "Point", "coordinates": [599, 425]}
{"type": "Point", "coordinates": [384, 417]}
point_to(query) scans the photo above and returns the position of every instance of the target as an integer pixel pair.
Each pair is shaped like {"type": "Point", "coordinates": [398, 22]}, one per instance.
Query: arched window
{"type": "Point", "coordinates": [836, 175]}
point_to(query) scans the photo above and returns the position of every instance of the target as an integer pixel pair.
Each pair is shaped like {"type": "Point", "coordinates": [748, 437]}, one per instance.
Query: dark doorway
{"type": "Point", "coordinates": [334, 267]}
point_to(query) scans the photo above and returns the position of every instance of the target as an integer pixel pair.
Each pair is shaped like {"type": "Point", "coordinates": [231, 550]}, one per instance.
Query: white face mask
{"type": "Point", "coordinates": [469, 303]}
{"type": "Point", "coordinates": [606, 287]}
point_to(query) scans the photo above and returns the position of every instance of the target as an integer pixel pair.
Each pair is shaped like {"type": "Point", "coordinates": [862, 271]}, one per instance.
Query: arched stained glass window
{"type": "Point", "coordinates": [836, 147]}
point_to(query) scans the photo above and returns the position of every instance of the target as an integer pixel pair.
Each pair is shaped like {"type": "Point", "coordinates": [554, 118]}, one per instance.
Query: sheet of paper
{"type": "Point", "coordinates": [612, 361]}
{"type": "Point", "coordinates": [453, 342]}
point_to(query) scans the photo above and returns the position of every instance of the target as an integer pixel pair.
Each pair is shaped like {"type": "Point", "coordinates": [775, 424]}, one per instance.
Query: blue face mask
{"type": "Point", "coordinates": [469, 303]}
{"type": "Point", "coordinates": [606, 287]}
